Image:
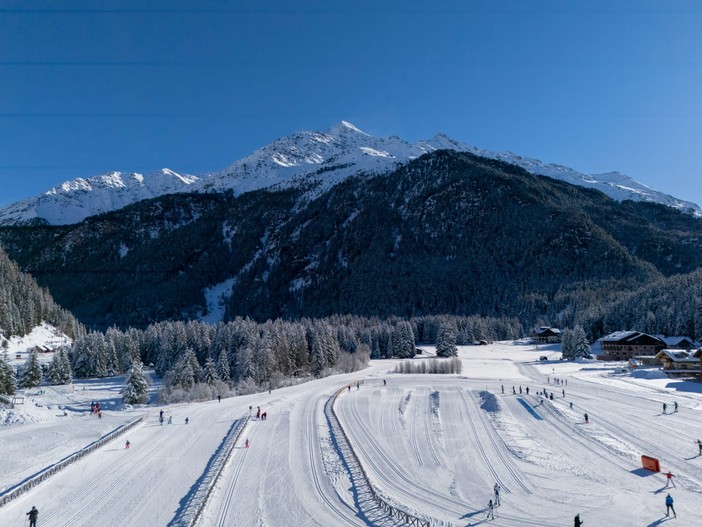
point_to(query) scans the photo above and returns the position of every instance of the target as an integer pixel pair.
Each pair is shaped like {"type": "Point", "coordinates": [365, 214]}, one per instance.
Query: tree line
{"type": "Point", "coordinates": [198, 360]}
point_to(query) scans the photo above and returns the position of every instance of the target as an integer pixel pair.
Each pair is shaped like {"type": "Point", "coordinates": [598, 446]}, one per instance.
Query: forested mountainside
{"type": "Point", "coordinates": [24, 305]}
{"type": "Point", "coordinates": [447, 233]}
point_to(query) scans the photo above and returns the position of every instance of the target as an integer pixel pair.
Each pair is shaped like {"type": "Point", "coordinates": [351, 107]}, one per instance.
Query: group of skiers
{"type": "Point", "coordinates": [95, 409]}
{"type": "Point", "coordinates": [170, 419]}
{"type": "Point", "coordinates": [494, 502]}
{"type": "Point", "coordinates": [675, 407]}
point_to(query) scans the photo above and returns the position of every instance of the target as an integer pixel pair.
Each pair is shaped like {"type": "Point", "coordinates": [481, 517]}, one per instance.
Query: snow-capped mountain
{"type": "Point", "coordinates": [321, 158]}
{"type": "Point", "coordinates": [73, 201]}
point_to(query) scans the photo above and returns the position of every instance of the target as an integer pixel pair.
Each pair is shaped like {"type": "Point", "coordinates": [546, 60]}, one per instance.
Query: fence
{"type": "Point", "coordinates": [392, 510]}
{"type": "Point", "coordinates": [19, 489]}
{"type": "Point", "coordinates": [189, 514]}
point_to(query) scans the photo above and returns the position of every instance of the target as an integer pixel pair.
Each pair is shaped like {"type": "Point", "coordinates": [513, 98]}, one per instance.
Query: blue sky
{"type": "Point", "coordinates": [88, 87]}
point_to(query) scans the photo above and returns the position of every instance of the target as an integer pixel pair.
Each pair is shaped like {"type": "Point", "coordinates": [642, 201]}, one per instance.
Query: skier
{"type": "Point", "coordinates": [527, 390]}
{"type": "Point", "coordinates": [33, 514]}
{"type": "Point", "coordinates": [170, 419]}
{"type": "Point", "coordinates": [577, 522]}
{"type": "Point", "coordinates": [219, 398]}
{"type": "Point", "coordinates": [160, 415]}
{"type": "Point", "coordinates": [587, 419]}
{"type": "Point", "coordinates": [187, 420]}
{"type": "Point", "coordinates": [669, 506]}
{"type": "Point", "coordinates": [127, 444]}
{"type": "Point", "coordinates": [571, 404]}
{"type": "Point", "coordinates": [503, 388]}
{"type": "Point", "coordinates": [386, 382]}
{"type": "Point", "coordinates": [563, 393]}
{"type": "Point", "coordinates": [514, 392]}
{"type": "Point", "coordinates": [669, 479]}
{"type": "Point", "coordinates": [490, 511]}
{"type": "Point", "coordinates": [665, 407]}
{"type": "Point", "coordinates": [160, 420]}
{"type": "Point", "coordinates": [675, 406]}
{"type": "Point", "coordinates": [699, 445]}
{"type": "Point", "coordinates": [520, 390]}
{"type": "Point", "coordinates": [247, 443]}
{"type": "Point", "coordinates": [497, 494]}
{"type": "Point", "coordinates": [258, 412]}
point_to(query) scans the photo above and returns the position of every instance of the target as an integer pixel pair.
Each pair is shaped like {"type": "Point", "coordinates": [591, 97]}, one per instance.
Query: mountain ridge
{"type": "Point", "coordinates": [449, 232]}
{"type": "Point", "coordinates": [316, 159]}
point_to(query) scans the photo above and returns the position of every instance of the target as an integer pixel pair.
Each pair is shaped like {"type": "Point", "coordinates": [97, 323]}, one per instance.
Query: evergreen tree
{"type": "Point", "coordinates": [567, 344]}
{"type": "Point", "coordinates": [210, 375]}
{"type": "Point", "coordinates": [446, 341]}
{"type": "Point", "coordinates": [59, 371]}
{"type": "Point", "coordinates": [8, 383]}
{"type": "Point", "coordinates": [223, 371]}
{"type": "Point", "coordinates": [183, 375]}
{"type": "Point", "coordinates": [403, 341]}
{"type": "Point", "coordinates": [136, 387]}
{"type": "Point", "coordinates": [31, 373]}
{"type": "Point", "coordinates": [581, 346]}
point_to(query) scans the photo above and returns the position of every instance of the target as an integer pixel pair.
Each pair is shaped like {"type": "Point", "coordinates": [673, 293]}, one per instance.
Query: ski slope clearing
{"type": "Point", "coordinates": [432, 444]}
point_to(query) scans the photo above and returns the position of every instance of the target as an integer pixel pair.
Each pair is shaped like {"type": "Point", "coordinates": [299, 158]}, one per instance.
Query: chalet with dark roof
{"type": "Point", "coordinates": [625, 345]}
{"type": "Point", "coordinates": [545, 334]}
{"type": "Point", "coordinates": [679, 343]}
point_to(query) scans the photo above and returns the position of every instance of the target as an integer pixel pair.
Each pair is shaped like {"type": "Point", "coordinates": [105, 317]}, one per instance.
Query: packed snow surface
{"type": "Point", "coordinates": [433, 444]}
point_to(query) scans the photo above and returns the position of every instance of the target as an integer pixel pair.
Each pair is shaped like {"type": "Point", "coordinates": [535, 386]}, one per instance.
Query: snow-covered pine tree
{"type": "Point", "coordinates": [567, 344]}
{"type": "Point", "coordinates": [136, 387]}
{"type": "Point", "coordinates": [183, 375]}
{"type": "Point", "coordinates": [31, 373]}
{"type": "Point", "coordinates": [8, 383]}
{"type": "Point", "coordinates": [403, 341]}
{"type": "Point", "coordinates": [318, 356]}
{"type": "Point", "coordinates": [446, 341]}
{"type": "Point", "coordinates": [59, 371]}
{"type": "Point", "coordinates": [210, 375]}
{"type": "Point", "coordinates": [191, 357]}
{"type": "Point", "coordinates": [581, 346]}
{"type": "Point", "coordinates": [223, 371]}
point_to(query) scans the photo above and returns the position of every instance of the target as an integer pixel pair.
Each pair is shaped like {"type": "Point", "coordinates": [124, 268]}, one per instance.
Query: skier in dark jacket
{"type": "Point", "coordinates": [33, 515]}
{"type": "Point", "coordinates": [577, 522]}
{"type": "Point", "coordinates": [669, 506]}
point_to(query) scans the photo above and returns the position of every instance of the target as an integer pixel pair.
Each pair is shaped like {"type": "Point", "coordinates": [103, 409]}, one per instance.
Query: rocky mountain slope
{"type": "Point", "coordinates": [448, 232]}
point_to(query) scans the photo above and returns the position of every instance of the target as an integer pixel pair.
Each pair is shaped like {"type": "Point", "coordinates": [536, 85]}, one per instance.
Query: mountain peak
{"type": "Point", "coordinates": [345, 127]}
{"type": "Point", "coordinates": [314, 159]}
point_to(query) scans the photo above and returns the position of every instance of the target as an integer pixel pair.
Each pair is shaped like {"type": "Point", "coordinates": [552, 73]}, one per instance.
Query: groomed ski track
{"type": "Point", "coordinates": [432, 444]}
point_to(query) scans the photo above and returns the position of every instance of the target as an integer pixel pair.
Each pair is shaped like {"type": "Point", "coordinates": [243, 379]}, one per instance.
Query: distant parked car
{"type": "Point", "coordinates": [543, 357]}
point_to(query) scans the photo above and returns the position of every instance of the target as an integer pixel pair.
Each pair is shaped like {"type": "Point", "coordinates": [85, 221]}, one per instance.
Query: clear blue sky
{"type": "Point", "coordinates": [597, 85]}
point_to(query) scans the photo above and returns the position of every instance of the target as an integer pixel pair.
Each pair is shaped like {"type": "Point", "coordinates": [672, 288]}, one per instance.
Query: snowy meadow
{"type": "Point", "coordinates": [434, 445]}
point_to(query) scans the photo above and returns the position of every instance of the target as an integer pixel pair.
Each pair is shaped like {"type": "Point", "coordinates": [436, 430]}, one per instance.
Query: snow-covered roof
{"type": "Point", "coordinates": [677, 355]}
{"type": "Point", "coordinates": [626, 336]}
{"type": "Point", "coordinates": [677, 340]}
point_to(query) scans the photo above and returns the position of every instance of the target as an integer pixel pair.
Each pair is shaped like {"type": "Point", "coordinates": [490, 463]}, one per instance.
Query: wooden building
{"type": "Point", "coordinates": [679, 363]}
{"type": "Point", "coordinates": [545, 334]}
{"type": "Point", "coordinates": [625, 345]}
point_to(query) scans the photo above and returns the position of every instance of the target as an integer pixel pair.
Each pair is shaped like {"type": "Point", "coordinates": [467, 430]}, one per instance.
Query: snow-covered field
{"type": "Point", "coordinates": [435, 444]}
